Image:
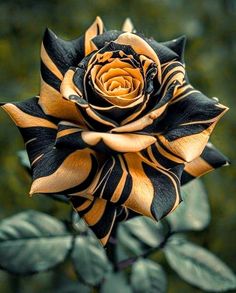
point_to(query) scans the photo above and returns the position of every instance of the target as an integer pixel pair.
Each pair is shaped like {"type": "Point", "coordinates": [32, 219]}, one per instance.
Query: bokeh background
{"type": "Point", "coordinates": [211, 64]}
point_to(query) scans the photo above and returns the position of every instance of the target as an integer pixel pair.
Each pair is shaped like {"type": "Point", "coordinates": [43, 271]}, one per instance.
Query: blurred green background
{"type": "Point", "coordinates": [211, 64]}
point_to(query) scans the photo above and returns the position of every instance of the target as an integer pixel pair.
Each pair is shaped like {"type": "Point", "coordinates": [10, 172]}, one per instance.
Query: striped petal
{"type": "Point", "coordinates": [187, 125]}
{"type": "Point", "coordinates": [99, 214]}
{"type": "Point", "coordinates": [138, 184]}
{"type": "Point", "coordinates": [57, 56]}
{"type": "Point", "coordinates": [210, 159]}
{"type": "Point", "coordinates": [38, 130]}
{"type": "Point", "coordinates": [70, 136]}
{"type": "Point", "coordinates": [162, 158]}
{"type": "Point", "coordinates": [97, 28]}
{"type": "Point", "coordinates": [54, 169]}
{"type": "Point", "coordinates": [64, 171]}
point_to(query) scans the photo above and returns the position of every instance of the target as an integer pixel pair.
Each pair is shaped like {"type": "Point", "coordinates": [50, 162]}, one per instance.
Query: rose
{"type": "Point", "coordinates": [116, 126]}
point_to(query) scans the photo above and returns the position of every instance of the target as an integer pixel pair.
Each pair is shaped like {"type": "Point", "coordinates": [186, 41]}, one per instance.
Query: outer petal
{"type": "Point", "coordinates": [209, 160]}
{"type": "Point", "coordinates": [98, 213]}
{"type": "Point", "coordinates": [57, 56]}
{"type": "Point", "coordinates": [97, 28]}
{"type": "Point", "coordinates": [133, 181]}
{"type": "Point", "coordinates": [164, 53]}
{"type": "Point", "coordinates": [128, 26]}
{"type": "Point", "coordinates": [178, 46]}
{"type": "Point", "coordinates": [185, 129]}
{"type": "Point", "coordinates": [38, 130]}
{"type": "Point", "coordinates": [54, 169]}
{"type": "Point", "coordinates": [163, 159]}
{"type": "Point", "coordinates": [64, 171]}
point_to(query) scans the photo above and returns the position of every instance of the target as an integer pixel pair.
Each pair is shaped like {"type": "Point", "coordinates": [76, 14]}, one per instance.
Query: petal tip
{"type": "Point", "coordinates": [178, 46]}
{"type": "Point", "coordinates": [98, 22]}
{"type": "Point", "coordinates": [98, 19]}
{"type": "Point", "coordinates": [49, 35]}
{"type": "Point", "coordinates": [128, 25]}
{"type": "Point", "coordinates": [34, 190]}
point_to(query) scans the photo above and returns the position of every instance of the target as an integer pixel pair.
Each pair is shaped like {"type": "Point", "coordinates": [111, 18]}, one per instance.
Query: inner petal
{"type": "Point", "coordinates": [119, 91]}
{"type": "Point", "coordinates": [112, 72]}
{"type": "Point", "coordinates": [135, 73]}
{"type": "Point", "coordinates": [114, 84]}
{"type": "Point", "coordinates": [116, 63]}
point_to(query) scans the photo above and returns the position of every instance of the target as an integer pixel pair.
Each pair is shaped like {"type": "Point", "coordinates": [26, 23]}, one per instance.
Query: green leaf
{"type": "Point", "coordinates": [73, 287]}
{"type": "Point", "coordinates": [198, 266]}
{"type": "Point", "coordinates": [78, 223]}
{"type": "Point", "coordinates": [194, 212]}
{"type": "Point", "coordinates": [146, 230]}
{"type": "Point", "coordinates": [127, 244]}
{"type": "Point", "coordinates": [135, 235]}
{"type": "Point", "coordinates": [90, 260]}
{"type": "Point", "coordinates": [148, 276]}
{"type": "Point", "coordinates": [116, 283]}
{"type": "Point", "coordinates": [24, 159]}
{"type": "Point", "coordinates": [32, 242]}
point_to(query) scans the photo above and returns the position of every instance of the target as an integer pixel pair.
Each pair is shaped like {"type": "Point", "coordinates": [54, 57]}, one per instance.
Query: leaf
{"type": "Point", "coordinates": [148, 276]}
{"type": "Point", "coordinates": [198, 266]}
{"type": "Point", "coordinates": [135, 235]}
{"type": "Point", "coordinates": [32, 242]}
{"type": "Point", "coordinates": [73, 287]}
{"type": "Point", "coordinates": [127, 244]}
{"type": "Point", "coordinates": [90, 260]}
{"type": "Point", "coordinates": [146, 230]}
{"type": "Point", "coordinates": [194, 212]}
{"type": "Point", "coordinates": [78, 223]}
{"type": "Point", "coordinates": [116, 283]}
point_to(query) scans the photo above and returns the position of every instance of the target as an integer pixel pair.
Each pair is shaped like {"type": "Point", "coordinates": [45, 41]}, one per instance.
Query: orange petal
{"type": "Point", "coordinates": [128, 26]}
{"type": "Point", "coordinates": [127, 142]}
{"type": "Point", "coordinates": [53, 104]}
{"type": "Point", "coordinates": [97, 28]}
{"type": "Point", "coordinates": [73, 171]}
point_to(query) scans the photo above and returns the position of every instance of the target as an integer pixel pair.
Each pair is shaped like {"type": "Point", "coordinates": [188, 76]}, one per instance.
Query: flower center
{"type": "Point", "coordinates": [118, 81]}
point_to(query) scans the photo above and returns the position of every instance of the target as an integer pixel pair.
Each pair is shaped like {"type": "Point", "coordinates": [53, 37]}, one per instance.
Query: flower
{"type": "Point", "coordinates": [117, 127]}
